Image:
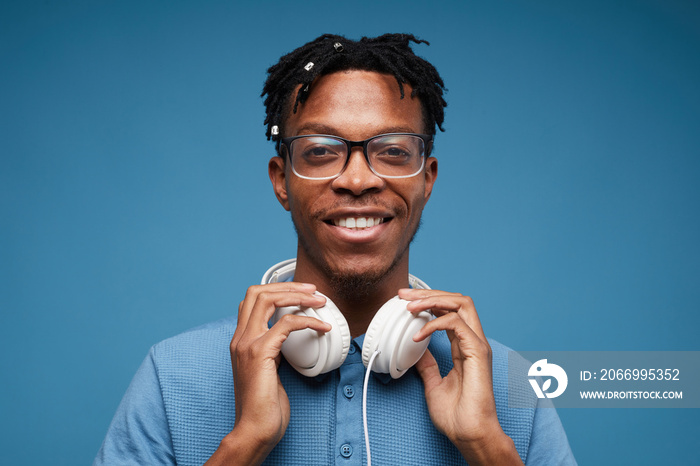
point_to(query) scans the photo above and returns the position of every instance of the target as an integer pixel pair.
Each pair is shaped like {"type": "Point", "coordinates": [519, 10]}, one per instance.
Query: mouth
{"type": "Point", "coordinates": [357, 223]}
{"type": "Point", "coordinates": [359, 226]}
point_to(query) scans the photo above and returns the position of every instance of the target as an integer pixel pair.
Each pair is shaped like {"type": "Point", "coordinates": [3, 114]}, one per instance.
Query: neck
{"type": "Point", "coordinates": [358, 295]}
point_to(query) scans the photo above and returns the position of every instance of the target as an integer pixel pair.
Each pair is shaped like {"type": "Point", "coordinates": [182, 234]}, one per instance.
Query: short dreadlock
{"type": "Point", "coordinates": [389, 53]}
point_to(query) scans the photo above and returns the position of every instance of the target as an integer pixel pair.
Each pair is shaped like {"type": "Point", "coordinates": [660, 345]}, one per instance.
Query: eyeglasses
{"type": "Point", "coordinates": [322, 157]}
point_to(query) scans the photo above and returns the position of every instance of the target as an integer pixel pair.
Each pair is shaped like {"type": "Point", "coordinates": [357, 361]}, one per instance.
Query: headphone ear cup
{"type": "Point", "coordinates": [312, 353]}
{"type": "Point", "coordinates": [338, 337]}
{"type": "Point", "coordinates": [391, 332]}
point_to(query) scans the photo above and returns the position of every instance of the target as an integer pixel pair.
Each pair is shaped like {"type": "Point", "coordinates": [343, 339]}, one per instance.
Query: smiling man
{"type": "Point", "coordinates": [354, 225]}
{"type": "Point", "coordinates": [354, 123]}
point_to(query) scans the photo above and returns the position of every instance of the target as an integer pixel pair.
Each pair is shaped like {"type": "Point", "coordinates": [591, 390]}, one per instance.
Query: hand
{"type": "Point", "coordinates": [262, 406]}
{"type": "Point", "coordinates": [462, 404]}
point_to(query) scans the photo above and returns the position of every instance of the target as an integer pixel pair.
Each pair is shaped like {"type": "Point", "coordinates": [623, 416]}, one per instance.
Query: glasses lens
{"type": "Point", "coordinates": [396, 155]}
{"type": "Point", "coordinates": [318, 156]}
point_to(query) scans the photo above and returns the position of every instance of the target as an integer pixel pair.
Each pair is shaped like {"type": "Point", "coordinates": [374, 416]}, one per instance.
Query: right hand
{"type": "Point", "coordinates": [262, 406]}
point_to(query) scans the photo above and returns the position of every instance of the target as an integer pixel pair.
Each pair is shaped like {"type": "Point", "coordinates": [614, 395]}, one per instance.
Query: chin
{"type": "Point", "coordinates": [359, 276]}
{"type": "Point", "coordinates": [353, 274]}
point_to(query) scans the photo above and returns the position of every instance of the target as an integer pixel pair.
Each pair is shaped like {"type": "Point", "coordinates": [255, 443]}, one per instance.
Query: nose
{"type": "Point", "coordinates": [357, 177]}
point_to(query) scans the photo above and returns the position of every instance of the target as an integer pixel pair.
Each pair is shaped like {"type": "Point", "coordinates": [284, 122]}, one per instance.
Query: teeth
{"type": "Point", "coordinates": [357, 223]}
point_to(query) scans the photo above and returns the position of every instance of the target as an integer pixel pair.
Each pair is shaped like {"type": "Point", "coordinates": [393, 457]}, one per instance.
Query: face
{"type": "Point", "coordinates": [354, 105]}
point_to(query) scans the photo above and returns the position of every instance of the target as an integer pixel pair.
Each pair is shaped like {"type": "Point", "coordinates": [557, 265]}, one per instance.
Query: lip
{"type": "Point", "coordinates": [365, 235]}
{"type": "Point", "coordinates": [358, 212]}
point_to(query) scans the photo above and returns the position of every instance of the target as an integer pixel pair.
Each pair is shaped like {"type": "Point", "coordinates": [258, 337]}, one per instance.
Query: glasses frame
{"type": "Point", "coordinates": [427, 142]}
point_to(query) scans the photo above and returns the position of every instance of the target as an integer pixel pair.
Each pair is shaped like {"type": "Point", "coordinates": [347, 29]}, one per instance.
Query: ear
{"type": "Point", "coordinates": [278, 177]}
{"type": "Point", "coordinates": [431, 172]}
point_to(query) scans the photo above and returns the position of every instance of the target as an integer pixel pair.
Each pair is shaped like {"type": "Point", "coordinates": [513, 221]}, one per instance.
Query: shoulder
{"type": "Point", "coordinates": [196, 384]}
{"type": "Point", "coordinates": [218, 328]}
{"type": "Point", "coordinates": [516, 422]}
{"type": "Point", "coordinates": [198, 359]}
{"type": "Point", "coordinates": [511, 391]}
{"type": "Point", "coordinates": [506, 359]}
{"type": "Point", "coordinates": [533, 422]}
{"type": "Point", "coordinates": [196, 340]}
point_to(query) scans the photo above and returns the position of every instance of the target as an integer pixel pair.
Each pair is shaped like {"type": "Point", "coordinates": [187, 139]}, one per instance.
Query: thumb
{"type": "Point", "coordinates": [428, 370]}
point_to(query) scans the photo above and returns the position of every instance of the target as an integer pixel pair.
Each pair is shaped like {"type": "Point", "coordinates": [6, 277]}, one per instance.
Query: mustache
{"type": "Point", "coordinates": [364, 201]}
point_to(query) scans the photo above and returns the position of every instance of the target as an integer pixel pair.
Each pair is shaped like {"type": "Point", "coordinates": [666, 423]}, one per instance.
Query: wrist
{"type": "Point", "coordinates": [496, 449]}
{"type": "Point", "coordinates": [239, 448]}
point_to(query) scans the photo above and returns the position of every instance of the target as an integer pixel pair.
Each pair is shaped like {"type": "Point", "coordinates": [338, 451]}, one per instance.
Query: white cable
{"type": "Point", "coordinates": [364, 405]}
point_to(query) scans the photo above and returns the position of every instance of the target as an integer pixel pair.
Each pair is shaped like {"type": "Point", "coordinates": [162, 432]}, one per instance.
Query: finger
{"type": "Point", "coordinates": [442, 304]}
{"type": "Point", "coordinates": [466, 345]}
{"type": "Point", "coordinates": [264, 349]}
{"type": "Point", "coordinates": [252, 293]}
{"type": "Point", "coordinates": [267, 302]}
{"type": "Point", "coordinates": [428, 370]}
{"type": "Point", "coordinates": [289, 323]}
{"type": "Point", "coordinates": [410, 294]}
{"type": "Point", "coordinates": [246, 306]}
{"type": "Point", "coordinates": [455, 326]}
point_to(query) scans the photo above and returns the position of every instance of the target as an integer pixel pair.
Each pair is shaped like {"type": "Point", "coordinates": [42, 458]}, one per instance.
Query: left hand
{"type": "Point", "coordinates": [462, 404]}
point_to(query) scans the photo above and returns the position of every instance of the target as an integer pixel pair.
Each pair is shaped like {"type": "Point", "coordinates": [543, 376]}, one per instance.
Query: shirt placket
{"type": "Point", "coordinates": [349, 434]}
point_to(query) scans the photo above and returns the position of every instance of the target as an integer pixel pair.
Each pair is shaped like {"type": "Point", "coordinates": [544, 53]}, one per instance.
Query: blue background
{"type": "Point", "coordinates": [135, 201]}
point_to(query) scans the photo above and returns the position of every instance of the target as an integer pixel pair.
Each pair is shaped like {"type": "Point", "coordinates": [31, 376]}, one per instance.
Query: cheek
{"type": "Point", "coordinates": [414, 196]}
{"type": "Point", "coordinates": [303, 201]}
{"type": "Point", "coordinates": [417, 210]}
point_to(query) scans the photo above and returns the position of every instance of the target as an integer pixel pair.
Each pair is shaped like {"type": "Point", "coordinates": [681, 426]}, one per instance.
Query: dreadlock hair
{"type": "Point", "coordinates": [389, 53]}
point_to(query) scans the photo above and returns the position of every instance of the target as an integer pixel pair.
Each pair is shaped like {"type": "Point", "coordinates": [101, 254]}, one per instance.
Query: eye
{"type": "Point", "coordinates": [396, 150]}
{"type": "Point", "coordinates": [317, 150]}
{"type": "Point", "coordinates": [393, 154]}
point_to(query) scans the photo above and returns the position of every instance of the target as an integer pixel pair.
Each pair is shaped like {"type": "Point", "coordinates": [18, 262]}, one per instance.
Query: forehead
{"type": "Point", "coordinates": [356, 104]}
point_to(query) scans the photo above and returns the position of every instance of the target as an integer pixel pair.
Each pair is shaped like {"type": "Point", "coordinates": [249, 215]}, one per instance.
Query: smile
{"type": "Point", "coordinates": [357, 223]}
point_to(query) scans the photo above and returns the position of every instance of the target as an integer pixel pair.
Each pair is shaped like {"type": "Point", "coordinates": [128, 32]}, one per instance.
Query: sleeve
{"type": "Point", "coordinates": [548, 442]}
{"type": "Point", "coordinates": [139, 432]}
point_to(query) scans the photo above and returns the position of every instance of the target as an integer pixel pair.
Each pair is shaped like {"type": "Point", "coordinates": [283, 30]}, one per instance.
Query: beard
{"type": "Point", "coordinates": [353, 285]}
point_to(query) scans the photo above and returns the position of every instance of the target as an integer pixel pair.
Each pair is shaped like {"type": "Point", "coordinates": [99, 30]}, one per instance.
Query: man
{"type": "Point", "coordinates": [354, 123]}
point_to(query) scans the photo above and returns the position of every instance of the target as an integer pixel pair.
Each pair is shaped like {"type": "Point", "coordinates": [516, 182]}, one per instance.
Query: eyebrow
{"type": "Point", "coordinates": [320, 128]}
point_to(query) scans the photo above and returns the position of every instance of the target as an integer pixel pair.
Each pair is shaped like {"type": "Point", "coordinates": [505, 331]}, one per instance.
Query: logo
{"type": "Point", "coordinates": [543, 369]}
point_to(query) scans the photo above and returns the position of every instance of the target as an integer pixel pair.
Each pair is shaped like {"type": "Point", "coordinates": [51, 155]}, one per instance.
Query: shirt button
{"type": "Point", "coordinates": [346, 450]}
{"type": "Point", "coordinates": [352, 349]}
{"type": "Point", "coordinates": [348, 391]}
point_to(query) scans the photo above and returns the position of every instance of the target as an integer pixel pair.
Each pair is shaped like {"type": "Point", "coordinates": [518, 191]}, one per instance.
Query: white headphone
{"type": "Point", "coordinates": [390, 332]}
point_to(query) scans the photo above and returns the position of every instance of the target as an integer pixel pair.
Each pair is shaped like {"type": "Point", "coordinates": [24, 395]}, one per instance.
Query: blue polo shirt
{"type": "Point", "coordinates": [180, 405]}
